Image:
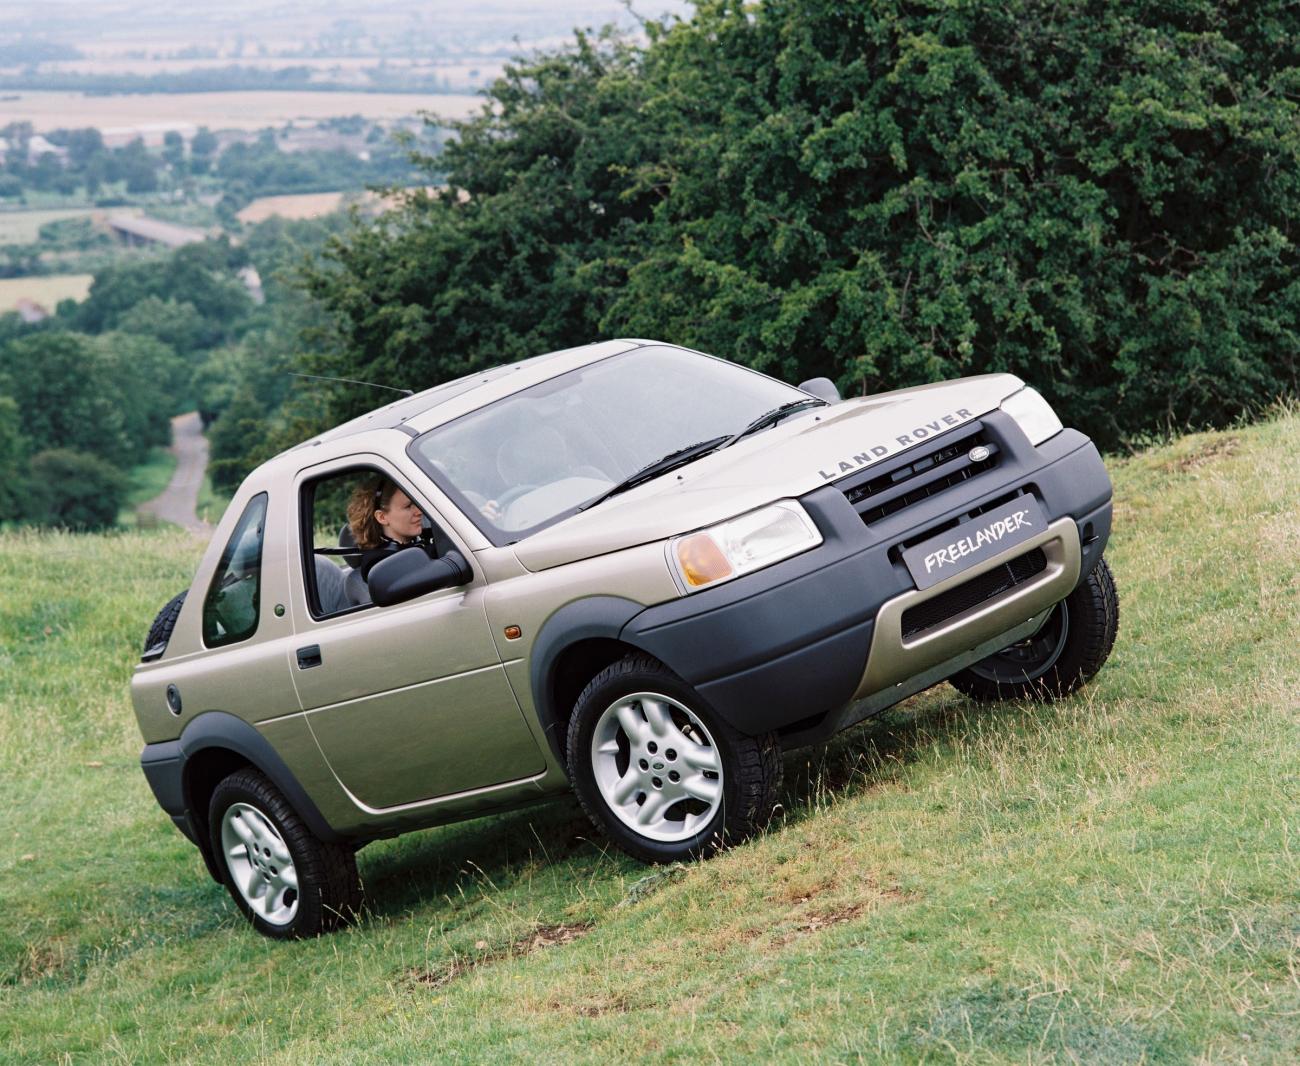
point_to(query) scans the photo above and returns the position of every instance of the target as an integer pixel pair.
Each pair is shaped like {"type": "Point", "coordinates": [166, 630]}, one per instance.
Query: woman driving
{"type": "Point", "coordinates": [383, 520]}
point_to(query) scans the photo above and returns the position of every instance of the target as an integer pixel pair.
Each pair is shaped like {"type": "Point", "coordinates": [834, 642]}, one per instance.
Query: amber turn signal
{"type": "Point", "coordinates": [513, 632]}
{"type": "Point", "coordinates": [702, 560]}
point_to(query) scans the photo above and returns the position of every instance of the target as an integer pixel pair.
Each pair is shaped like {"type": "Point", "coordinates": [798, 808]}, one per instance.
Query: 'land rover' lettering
{"type": "Point", "coordinates": [904, 440]}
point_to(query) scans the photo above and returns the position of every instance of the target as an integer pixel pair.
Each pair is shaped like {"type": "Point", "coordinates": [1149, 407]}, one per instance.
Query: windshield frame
{"type": "Point", "coordinates": [503, 538]}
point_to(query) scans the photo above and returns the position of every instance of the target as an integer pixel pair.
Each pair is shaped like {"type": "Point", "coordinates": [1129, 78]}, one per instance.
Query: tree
{"type": "Point", "coordinates": [72, 490]}
{"type": "Point", "coordinates": [154, 381]}
{"type": "Point", "coordinates": [174, 149]}
{"type": "Point", "coordinates": [67, 397]}
{"type": "Point", "coordinates": [176, 323]}
{"type": "Point", "coordinates": [1098, 198]}
{"type": "Point", "coordinates": [203, 148]}
{"type": "Point", "coordinates": [13, 454]}
{"type": "Point", "coordinates": [137, 167]}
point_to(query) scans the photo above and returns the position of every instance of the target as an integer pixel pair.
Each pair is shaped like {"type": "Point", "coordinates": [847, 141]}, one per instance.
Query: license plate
{"type": "Point", "coordinates": [974, 540]}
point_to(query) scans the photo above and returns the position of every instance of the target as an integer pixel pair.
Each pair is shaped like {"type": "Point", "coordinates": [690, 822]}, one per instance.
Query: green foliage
{"type": "Point", "coordinates": [109, 396]}
{"type": "Point", "coordinates": [13, 454]}
{"type": "Point", "coordinates": [72, 490]}
{"type": "Point", "coordinates": [1097, 197]}
{"type": "Point", "coordinates": [200, 275]}
{"type": "Point", "coordinates": [177, 324]}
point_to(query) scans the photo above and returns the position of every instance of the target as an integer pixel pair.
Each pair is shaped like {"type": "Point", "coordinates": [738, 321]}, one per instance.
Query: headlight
{"type": "Point", "coordinates": [742, 545]}
{"type": "Point", "coordinates": [1033, 414]}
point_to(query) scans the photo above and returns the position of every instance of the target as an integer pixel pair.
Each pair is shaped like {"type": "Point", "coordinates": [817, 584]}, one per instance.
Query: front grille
{"type": "Point", "coordinates": [973, 592]}
{"type": "Point", "coordinates": [924, 476]}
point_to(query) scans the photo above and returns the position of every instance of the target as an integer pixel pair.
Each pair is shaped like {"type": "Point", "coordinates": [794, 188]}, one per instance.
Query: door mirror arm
{"type": "Point", "coordinates": [411, 573]}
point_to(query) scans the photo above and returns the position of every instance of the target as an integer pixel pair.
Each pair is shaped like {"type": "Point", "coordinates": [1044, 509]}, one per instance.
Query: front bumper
{"type": "Point", "coordinates": [816, 642]}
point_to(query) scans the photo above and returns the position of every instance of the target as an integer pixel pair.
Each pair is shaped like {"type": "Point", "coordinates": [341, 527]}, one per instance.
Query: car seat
{"type": "Point", "coordinates": [330, 587]}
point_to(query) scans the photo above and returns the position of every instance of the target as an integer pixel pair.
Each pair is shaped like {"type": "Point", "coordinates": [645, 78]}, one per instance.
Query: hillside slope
{"type": "Point", "coordinates": [1112, 879]}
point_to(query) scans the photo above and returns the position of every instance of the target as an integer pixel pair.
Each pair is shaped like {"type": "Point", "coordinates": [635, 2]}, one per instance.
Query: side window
{"type": "Point", "coordinates": [230, 609]}
{"type": "Point", "coordinates": [335, 508]}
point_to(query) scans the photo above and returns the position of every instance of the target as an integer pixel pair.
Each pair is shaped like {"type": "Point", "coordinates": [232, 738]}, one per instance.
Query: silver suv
{"type": "Point", "coordinates": [628, 569]}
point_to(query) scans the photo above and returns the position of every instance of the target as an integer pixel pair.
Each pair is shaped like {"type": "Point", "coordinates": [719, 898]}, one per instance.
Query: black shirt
{"type": "Point", "coordinates": [387, 547]}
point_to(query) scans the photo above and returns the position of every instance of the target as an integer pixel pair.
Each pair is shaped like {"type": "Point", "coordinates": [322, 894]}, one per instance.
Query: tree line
{"type": "Point", "coordinates": [1097, 196]}
{"type": "Point", "coordinates": [86, 394]}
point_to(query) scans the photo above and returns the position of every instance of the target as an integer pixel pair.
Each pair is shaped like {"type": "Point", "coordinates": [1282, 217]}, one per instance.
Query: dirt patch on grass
{"type": "Point", "coordinates": [1207, 453]}
{"type": "Point", "coordinates": [592, 1008]}
{"type": "Point", "coordinates": [544, 936]}
{"type": "Point", "coordinates": [819, 920]}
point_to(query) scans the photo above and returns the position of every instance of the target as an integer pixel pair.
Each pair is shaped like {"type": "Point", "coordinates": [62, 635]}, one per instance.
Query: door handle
{"type": "Point", "coordinates": [309, 657]}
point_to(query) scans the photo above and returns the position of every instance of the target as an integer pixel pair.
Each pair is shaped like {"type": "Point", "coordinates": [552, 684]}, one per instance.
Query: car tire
{"type": "Point", "coordinates": [285, 880]}
{"type": "Point", "coordinates": [1065, 653]}
{"type": "Point", "coordinates": [161, 630]}
{"type": "Point", "coordinates": [659, 771]}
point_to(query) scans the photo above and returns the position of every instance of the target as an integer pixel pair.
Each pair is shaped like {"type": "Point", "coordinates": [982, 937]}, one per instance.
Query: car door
{"type": "Point", "coordinates": [408, 703]}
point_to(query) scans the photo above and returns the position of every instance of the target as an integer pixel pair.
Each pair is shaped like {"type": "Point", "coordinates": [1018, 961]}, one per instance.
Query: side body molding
{"type": "Point", "coordinates": [592, 618]}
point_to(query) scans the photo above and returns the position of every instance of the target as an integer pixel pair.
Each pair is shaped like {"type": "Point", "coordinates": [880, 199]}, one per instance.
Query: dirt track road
{"type": "Point", "coordinates": [177, 501]}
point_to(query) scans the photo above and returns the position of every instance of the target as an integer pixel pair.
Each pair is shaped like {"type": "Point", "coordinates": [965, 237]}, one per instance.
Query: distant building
{"type": "Point", "coordinates": [253, 283]}
{"type": "Point", "coordinates": [38, 146]}
{"type": "Point", "coordinates": [139, 231]}
{"type": "Point", "coordinates": [30, 311]}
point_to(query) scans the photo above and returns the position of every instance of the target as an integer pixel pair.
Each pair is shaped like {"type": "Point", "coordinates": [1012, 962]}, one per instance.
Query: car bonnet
{"type": "Point", "coordinates": [811, 449]}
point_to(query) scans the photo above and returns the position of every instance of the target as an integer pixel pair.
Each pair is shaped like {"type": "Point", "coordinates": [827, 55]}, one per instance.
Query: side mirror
{"type": "Point", "coordinates": [823, 389]}
{"type": "Point", "coordinates": [411, 573]}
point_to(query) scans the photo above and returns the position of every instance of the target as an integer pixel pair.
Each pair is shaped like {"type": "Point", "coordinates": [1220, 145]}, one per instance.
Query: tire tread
{"type": "Point", "coordinates": [1094, 607]}
{"type": "Point", "coordinates": [330, 891]}
{"type": "Point", "coordinates": [756, 775]}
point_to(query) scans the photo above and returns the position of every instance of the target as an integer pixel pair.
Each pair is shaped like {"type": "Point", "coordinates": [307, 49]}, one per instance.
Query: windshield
{"type": "Point", "coordinates": [530, 459]}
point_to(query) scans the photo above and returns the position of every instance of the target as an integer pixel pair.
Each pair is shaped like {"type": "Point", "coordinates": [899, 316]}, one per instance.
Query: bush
{"type": "Point", "coordinates": [72, 490]}
{"type": "Point", "coordinates": [1098, 197]}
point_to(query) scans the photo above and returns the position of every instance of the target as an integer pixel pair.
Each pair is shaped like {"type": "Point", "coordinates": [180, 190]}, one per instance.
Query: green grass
{"type": "Point", "coordinates": [147, 481]}
{"type": "Point", "coordinates": [23, 227]}
{"type": "Point", "coordinates": [211, 504]}
{"type": "Point", "coordinates": [1111, 879]}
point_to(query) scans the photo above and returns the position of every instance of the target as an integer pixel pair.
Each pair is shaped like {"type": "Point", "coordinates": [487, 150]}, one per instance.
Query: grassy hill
{"type": "Point", "coordinates": [1112, 879]}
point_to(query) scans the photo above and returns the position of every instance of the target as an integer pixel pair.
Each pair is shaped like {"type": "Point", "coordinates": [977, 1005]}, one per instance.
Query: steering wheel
{"type": "Point", "coordinates": [510, 495]}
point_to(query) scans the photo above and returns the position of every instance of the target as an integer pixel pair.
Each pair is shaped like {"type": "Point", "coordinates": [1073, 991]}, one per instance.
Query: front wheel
{"type": "Point", "coordinates": [287, 882]}
{"type": "Point", "coordinates": [1068, 649]}
{"type": "Point", "coordinates": [659, 772]}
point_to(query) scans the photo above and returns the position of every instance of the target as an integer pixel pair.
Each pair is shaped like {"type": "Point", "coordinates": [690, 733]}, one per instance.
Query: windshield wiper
{"type": "Point", "coordinates": [671, 461]}
{"type": "Point", "coordinates": [774, 416]}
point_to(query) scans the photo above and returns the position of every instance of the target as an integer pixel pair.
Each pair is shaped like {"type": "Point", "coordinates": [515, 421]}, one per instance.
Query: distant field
{"type": "Point", "coordinates": [336, 69]}
{"type": "Point", "coordinates": [23, 227]}
{"type": "Point", "coordinates": [305, 205]}
{"type": "Point", "coordinates": [234, 110]}
{"type": "Point", "coordinates": [47, 291]}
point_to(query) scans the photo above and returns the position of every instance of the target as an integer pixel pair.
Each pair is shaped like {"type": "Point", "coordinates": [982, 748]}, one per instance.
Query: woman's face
{"type": "Point", "coordinates": [401, 519]}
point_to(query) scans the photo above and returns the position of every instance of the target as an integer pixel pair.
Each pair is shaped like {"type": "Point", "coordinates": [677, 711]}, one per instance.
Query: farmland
{"type": "Point", "coordinates": [152, 113]}
{"type": "Point", "coordinates": [305, 205]}
{"type": "Point", "coordinates": [45, 290]}
{"type": "Point", "coordinates": [23, 227]}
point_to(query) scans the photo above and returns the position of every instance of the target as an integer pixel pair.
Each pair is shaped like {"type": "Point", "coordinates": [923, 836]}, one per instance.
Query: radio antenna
{"type": "Point", "coordinates": [351, 381]}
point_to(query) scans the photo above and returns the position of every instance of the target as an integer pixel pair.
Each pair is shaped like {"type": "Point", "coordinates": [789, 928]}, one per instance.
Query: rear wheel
{"type": "Point", "coordinates": [659, 772]}
{"type": "Point", "coordinates": [287, 882]}
{"type": "Point", "coordinates": [1066, 652]}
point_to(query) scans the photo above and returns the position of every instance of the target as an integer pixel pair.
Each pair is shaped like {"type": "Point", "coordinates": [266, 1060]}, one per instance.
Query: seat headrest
{"type": "Point", "coordinates": [347, 540]}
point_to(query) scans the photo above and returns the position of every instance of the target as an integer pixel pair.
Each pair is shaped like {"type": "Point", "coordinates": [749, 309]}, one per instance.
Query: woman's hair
{"type": "Point", "coordinates": [367, 498]}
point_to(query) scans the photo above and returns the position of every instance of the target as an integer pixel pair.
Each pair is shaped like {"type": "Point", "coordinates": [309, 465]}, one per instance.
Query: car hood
{"type": "Point", "coordinates": [810, 449]}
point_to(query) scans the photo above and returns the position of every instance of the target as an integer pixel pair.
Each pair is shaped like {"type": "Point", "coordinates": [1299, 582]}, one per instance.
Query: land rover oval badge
{"type": "Point", "coordinates": [978, 454]}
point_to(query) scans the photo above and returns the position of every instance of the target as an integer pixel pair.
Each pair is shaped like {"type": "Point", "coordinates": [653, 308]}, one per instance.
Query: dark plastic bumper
{"type": "Point", "coordinates": [779, 649]}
